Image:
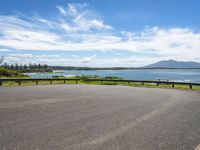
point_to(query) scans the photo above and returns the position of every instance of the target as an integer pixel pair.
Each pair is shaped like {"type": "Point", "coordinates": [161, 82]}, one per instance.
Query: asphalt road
{"type": "Point", "coordinates": [92, 117]}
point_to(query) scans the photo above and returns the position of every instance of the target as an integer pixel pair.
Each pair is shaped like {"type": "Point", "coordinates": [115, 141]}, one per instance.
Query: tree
{"type": "Point", "coordinates": [12, 67]}
{"type": "Point", "coordinates": [30, 66]}
{"type": "Point", "coordinates": [45, 66]}
{"type": "Point", "coordinates": [39, 66]}
{"type": "Point", "coordinates": [16, 66]}
{"type": "Point", "coordinates": [25, 67]}
{"type": "Point", "coordinates": [35, 66]}
{"type": "Point", "coordinates": [20, 67]}
{"type": "Point", "coordinates": [5, 65]}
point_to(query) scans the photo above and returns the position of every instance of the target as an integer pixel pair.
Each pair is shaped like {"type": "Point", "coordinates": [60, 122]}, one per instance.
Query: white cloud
{"type": "Point", "coordinates": [88, 59]}
{"type": "Point", "coordinates": [4, 50]}
{"type": "Point", "coordinates": [80, 18]}
{"type": "Point", "coordinates": [61, 10]}
{"type": "Point", "coordinates": [91, 61]}
{"type": "Point", "coordinates": [78, 28]}
{"type": "Point", "coordinates": [48, 59]}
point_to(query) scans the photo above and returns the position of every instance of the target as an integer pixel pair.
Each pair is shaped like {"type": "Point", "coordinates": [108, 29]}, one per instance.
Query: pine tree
{"type": "Point", "coordinates": [12, 67]}
{"type": "Point", "coordinates": [35, 66]}
{"type": "Point", "coordinates": [16, 67]}
{"type": "Point", "coordinates": [30, 66]}
{"type": "Point", "coordinates": [25, 67]}
{"type": "Point", "coordinates": [5, 65]}
{"type": "Point", "coordinates": [39, 66]}
{"type": "Point", "coordinates": [20, 67]}
{"type": "Point", "coordinates": [45, 66]}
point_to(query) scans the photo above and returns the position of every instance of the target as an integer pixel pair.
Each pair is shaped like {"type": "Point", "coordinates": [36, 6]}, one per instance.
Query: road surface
{"type": "Point", "coordinates": [98, 117]}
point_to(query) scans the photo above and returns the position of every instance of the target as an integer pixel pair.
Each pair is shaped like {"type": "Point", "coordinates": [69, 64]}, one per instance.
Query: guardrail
{"type": "Point", "coordinates": [36, 80]}
{"type": "Point", "coordinates": [146, 81]}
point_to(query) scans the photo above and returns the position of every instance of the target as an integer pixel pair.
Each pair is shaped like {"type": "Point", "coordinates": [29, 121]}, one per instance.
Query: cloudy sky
{"type": "Point", "coordinates": [102, 33]}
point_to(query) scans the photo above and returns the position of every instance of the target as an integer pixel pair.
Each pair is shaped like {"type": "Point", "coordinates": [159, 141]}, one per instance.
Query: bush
{"type": "Point", "coordinates": [113, 77]}
{"type": "Point", "coordinates": [10, 73]}
{"type": "Point", "coordinates": [84, 77]}
{"type": "Point", "coordinates": [58, 76]}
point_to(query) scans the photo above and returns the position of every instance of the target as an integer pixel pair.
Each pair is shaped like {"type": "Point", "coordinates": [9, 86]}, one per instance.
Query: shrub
{"type": "Point", "coordinates": [10, 73]}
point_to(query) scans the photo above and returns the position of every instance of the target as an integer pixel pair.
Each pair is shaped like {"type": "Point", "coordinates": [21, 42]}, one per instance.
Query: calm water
{"type": "Point", "coordinates": [172, 75]}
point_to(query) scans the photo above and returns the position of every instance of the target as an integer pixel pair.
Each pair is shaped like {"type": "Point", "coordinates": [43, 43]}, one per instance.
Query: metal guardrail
{"type": "Point", "coordinates": [190, 84]}
{"type": "Point", "coordinates": [36, 80]}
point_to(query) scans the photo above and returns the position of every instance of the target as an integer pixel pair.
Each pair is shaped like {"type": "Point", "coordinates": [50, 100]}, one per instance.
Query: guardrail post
{"type": "Point", "coordinates": [51, 81]}
{"type": "Point", "coordinates": [76, 81]}
{"type": "Point", "coordinates": [128, 82]}
{"type": "Point", "coordinates": [36, 82]}
{"type": "Point", "coordinates": [190, 86]}
{"type": "Point", "coordinates": [19, 82]}
{"type": "Point", "coordinates": [157, 84]}
{"type": "Point", "coordinates": [142, 83]}
{"type": "Point", "coordinates": [173, 85]}
{"type": "Point", "coordinates": [101, 82]}
{"type": "Point", "coordinates": [1, 83]}
{"type": "Point", "coordinates": [64, 81]}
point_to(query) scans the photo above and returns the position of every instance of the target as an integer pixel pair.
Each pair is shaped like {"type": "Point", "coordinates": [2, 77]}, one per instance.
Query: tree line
{"type": "Point", "coordinates": [27, 68]}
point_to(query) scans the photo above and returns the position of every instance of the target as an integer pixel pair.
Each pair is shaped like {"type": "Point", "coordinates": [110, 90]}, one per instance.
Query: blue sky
{"type": "Point", "coordinates": [100, 33]}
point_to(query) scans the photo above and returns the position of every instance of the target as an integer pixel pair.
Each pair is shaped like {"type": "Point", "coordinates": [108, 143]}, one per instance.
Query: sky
{"type": "Point", "coordinates": [99, 33]}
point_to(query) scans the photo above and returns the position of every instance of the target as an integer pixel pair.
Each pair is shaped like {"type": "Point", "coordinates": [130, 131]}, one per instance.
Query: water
{"type": "Point", "coordinates": [182, 75]}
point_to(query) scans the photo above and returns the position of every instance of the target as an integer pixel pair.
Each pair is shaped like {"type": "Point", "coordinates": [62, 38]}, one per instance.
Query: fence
{"type": "Point", "coordinates": [36, 80]}
{"type": "Point", "coordinates": [146, 81]}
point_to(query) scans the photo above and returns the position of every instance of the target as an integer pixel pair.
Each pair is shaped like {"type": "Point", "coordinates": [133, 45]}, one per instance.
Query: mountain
{"type": "Point", "coordinates": [173, 64]}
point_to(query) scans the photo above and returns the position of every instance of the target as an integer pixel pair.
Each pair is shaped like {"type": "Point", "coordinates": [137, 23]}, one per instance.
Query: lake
{"type": "Point", "coordinates": [182, 75]}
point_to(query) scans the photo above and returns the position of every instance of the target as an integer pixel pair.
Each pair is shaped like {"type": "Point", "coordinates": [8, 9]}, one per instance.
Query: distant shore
{"type": "Point", "coordinates": [105, 68]}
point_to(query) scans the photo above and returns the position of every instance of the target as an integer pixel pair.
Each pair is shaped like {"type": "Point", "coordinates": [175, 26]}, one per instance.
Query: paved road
{"type": "Point", "coordinates": [92, 117]}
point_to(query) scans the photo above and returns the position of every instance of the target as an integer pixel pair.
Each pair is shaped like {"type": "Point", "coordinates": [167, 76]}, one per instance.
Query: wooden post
{"type": "Point", "coordinates": [76, 81]}
{"type": "Point", "coordinates": [51, 81]}
{"type": "Point", "coordinates": [19, 82]}
{"type": "Point", "coordinates": [190, 86]}
{"type": "Point", "coordinates": [128, 82]}
{"type": "Point", "coordinates": [36, 82]}
{"type": "Point", "coordinates": [1, 83]}
{"type": "Point", "coordinates": [157, 84]}
{"type": "Point", "coordinates": [142, 83]}
{"type": "Point", "coordinates": [101, 82]}
{"type": "Point", "coordinates": [173, 85]}
{"type": "Point", "coordinates": [64, 81]}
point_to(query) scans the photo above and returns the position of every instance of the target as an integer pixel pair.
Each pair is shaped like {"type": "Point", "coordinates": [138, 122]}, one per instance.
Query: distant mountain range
{"type": "Point", "coordinates": [173, 64]}
{"type": "Point", "coordinates": [166, 64]}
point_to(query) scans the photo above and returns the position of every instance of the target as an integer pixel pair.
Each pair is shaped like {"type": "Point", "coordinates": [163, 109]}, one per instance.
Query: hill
{"type": "Point", "coordinates": [173, 64]}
